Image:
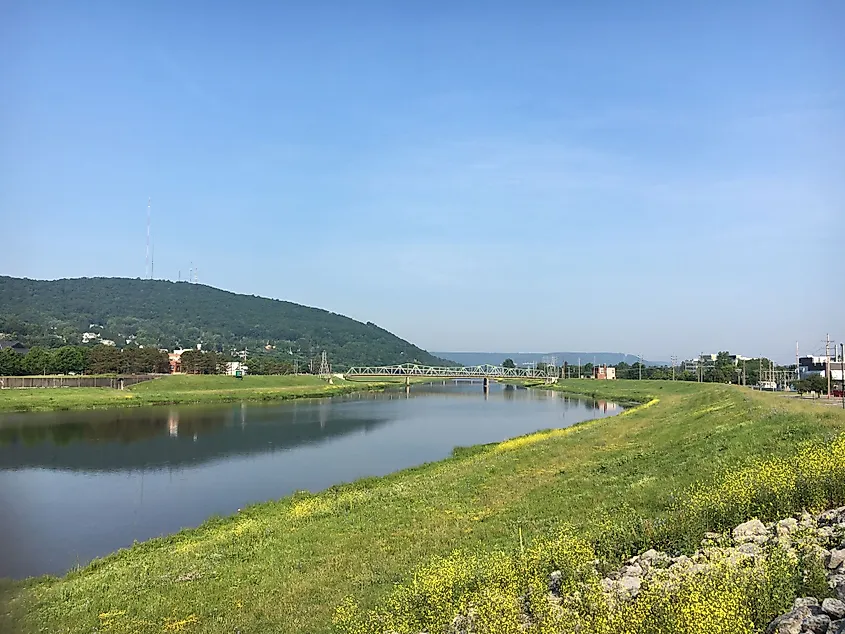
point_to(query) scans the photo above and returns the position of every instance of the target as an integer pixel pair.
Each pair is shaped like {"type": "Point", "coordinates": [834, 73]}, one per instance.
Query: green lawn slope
{"type": "Point", "coordinates": [283, 566]}
{"type": "Point", "coordinates": [180, 389]}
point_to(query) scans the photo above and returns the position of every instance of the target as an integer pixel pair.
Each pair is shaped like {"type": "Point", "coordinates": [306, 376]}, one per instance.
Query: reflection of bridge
{"type": "Point", "coordinates": [484, 372]}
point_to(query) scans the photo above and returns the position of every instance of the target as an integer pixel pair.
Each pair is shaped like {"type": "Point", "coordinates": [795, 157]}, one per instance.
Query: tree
{"type": "Point", "coordinates": [508, 363]}
{"type": "Point", "coordinates": [104, 360]}
{"type": "Point", "coordinates": [11, 363]}
{"type": "Point", "coordinates": [199, 362]}
{"type": "Point", "coordinates": [69, 359]}
{"type": "Point", "coordinates": [37, 361]}
{"type": "Point", "coordinates": [723, 370]}
{"type": "Point", "coordinates": [813, 383]}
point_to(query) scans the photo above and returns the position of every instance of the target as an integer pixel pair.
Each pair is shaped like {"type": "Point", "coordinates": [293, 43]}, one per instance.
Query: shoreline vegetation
{"type": "Point", "coordinates": [400, 551]}
{"type": "Point", "coordinates": [185, 389]}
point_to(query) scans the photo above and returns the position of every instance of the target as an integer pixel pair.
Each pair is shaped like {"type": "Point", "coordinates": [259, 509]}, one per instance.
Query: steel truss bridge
{"type": "Point", "coordinates": [487, 372]}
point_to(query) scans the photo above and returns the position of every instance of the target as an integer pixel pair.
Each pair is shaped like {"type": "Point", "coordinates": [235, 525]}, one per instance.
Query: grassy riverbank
{"type": "Point", "coordinates": [283, 566]}
{"type": "Point", "coordinates": [179, 389]}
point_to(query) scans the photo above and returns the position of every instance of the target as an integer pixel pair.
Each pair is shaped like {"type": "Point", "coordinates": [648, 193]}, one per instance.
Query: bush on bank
{"type": "Point", "coordinates": [498, 589]}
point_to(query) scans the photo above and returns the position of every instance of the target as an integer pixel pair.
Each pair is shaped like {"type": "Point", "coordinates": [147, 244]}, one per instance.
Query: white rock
{"type": "Point", "coordinates": [837, 557]}
{"type": "Point", "coordinates": [750, 531]}
{"type": "Point", "coordinates": [649, 555]}
{"type": "Point", "coordinates": [750, 548]}
{"type": "Point", "coordinates": [834, 608]}
{"type": "Point", "coordinates": [631, 584]}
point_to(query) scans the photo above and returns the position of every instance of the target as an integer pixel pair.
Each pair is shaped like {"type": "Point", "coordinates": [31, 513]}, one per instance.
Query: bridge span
{"type": "Point", "coordinates": [484, 372]}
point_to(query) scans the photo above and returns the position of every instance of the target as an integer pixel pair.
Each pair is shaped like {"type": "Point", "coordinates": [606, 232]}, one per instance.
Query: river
{"type": "Point", "coordinates": [78, 485]}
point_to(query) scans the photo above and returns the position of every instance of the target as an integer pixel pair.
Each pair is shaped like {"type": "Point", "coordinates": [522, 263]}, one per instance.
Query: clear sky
{"type": "Point", "coordinates": [648, 177]}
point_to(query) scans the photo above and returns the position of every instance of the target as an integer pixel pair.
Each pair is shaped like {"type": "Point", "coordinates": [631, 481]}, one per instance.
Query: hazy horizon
{"type": "Point", "coordinates": [650, 180]}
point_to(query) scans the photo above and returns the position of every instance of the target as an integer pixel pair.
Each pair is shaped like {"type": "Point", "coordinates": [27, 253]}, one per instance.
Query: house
{"type": "Point", "coordinates": [604, 372]}
{"type": "Point", "coordinates": [14, 346]}
{"type": "Point", "coordinates": [175, 359]}
{"type": "Point", "coordinates": [233, 367]}
{"type": "Point", "coordinates": [89, 336]}
{"type": "Point", "coordinates": [107, 342]}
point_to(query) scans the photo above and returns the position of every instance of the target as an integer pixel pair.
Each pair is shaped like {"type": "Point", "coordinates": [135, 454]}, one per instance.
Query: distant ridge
{"type": "Point", "coordinates": [167, 314]}
{"type": "Point", "coordinates": [496, 358]}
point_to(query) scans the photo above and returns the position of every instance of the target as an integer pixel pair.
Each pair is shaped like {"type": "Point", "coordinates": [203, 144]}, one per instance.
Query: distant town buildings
{"type": "Point", "coordinates": [604, 372]}
{"type": "Point", "coordinates": [810, 365]}
{"type": "Point", "coordinates": [708, 362]}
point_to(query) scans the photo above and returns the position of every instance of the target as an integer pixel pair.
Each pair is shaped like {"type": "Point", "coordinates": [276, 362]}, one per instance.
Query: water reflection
{"type": "Point", "coordinates": [151, 438]}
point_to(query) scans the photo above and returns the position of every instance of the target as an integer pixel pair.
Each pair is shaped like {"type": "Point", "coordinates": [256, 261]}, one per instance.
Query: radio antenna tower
{"type": "Point", "coordinates": [325, 370]}
{"type": "Point", "coordinates": [147, 262]}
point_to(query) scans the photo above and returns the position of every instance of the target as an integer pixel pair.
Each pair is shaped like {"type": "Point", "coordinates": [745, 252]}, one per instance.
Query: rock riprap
{"type": "Point", "coordinates": [821, 536]}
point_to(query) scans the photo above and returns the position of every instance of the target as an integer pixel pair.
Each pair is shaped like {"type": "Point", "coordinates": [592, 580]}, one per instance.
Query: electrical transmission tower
{"type": "Point", "coordinates": [325, 369]}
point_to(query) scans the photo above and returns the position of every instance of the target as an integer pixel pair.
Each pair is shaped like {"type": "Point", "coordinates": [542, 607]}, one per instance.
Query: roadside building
{"type": "Point", "coordinates": [604, 372]}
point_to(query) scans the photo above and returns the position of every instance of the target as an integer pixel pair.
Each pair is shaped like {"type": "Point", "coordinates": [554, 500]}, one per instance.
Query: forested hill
{"type": "Point", "coordinates": [173, 314]}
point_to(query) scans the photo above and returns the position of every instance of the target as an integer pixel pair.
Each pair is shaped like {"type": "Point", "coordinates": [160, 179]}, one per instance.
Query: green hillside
{"type": "Point", "coordinates": [173, 314]}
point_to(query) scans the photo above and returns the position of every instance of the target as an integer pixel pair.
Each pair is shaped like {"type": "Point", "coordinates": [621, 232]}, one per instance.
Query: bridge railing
{"type": "Point", "coordinates": [475, 371]}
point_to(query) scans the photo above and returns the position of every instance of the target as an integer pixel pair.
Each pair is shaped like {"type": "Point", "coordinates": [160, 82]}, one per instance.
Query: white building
{"type": "Point", "coordinates": [233, 367]}
{"type": "Point", "coordinates": [810, 365]}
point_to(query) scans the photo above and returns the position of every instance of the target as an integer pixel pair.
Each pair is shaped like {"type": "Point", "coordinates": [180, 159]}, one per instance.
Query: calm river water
{"type": "Point", "coordinates": [79, 485]}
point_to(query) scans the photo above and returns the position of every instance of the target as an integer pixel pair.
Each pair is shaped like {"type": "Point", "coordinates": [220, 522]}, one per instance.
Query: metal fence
{"type": "Point", "coordinates": [114, 382]}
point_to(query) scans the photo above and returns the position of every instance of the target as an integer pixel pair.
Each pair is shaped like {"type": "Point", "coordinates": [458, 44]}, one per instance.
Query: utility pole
{"type": "Point", "coordinates": [147, 263]}
{"type": "Point", "coordinates": [744, 375]}
{"type": "Point", "coordinates": [579, 367]}
{"type": "Point", "coordinates": [827, 355]}
{"type": "Point", "coordinates": [842, 372]}
{"type": "Point", "coordinates": [640, 367]}
{"type": "Point", "coordinates": [674, 360]}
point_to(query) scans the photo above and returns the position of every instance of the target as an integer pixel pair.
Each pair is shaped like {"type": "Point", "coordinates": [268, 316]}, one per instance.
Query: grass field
{"type": "Point", "coordinates": [284, 566]}
{"type": "Point", "coordinates": [170, 390]}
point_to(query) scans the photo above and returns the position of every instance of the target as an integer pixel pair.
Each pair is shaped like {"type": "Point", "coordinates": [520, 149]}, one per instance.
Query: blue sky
{"type": "Point", "coordinates": [648, 177]}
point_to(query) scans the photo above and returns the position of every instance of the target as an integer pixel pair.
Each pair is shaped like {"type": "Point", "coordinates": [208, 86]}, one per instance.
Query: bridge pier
{"type": "Point", "coordinates": [486, 384]}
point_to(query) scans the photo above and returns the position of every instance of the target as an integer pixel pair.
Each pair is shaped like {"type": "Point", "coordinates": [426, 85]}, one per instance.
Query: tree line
{"type": "Point", "coordinates": [100, 359]}
{"type": "Point", "coordinates": [97, 359]}
{"type": "Point", "coordinates": [722, 370]}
